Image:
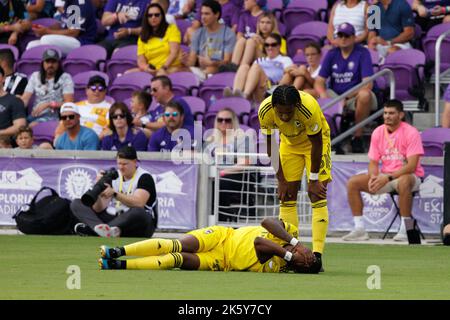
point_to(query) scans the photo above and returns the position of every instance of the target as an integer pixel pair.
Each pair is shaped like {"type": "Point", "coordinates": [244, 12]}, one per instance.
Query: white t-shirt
{"type": "Point", "coordinates": [94, 116]}
{"type": "Point", "coordinates": [274, 68]}
{"type": "Point", "coordinates": [355, 16]}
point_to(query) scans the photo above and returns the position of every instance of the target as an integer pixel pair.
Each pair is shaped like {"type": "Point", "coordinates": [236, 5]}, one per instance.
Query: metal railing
{"type": "Point", "coordinates": [350, 131]}
{"type": "Point", "coordinates": [437, 70]}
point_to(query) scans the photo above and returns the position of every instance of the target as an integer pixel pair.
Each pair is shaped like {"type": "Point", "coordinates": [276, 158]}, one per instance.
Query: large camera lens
{"type": "Point", "coordinates": [91, 196]}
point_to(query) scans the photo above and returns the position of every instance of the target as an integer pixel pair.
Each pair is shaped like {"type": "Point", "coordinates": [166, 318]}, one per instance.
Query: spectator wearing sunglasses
{"type": "Point", "coordinates": [227, 137]}
{"type": "Point", "coordinates": [123, 132]}
{"type": "Point", "coordinates": [170, 136]}
{"type": "Point", "coordinates": [252, 82]}
{"type": "Point", "coordinates": [94, 110]}
{"type": "Point", "coordinates": [76, 136]}
{"type": "Point", "coordinates": [346, 66]}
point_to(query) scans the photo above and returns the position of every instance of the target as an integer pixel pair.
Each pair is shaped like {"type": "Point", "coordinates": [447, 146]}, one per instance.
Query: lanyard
{"type": "Point", "coordinates": [129, 188]}
{"type": "Point", "coordinates": [388, 139]}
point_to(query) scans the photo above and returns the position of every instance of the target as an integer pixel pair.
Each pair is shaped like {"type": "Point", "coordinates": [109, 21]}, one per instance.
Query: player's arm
{"type": "Point", "coordinates": [276, 227]}
{"type": "Point", "coordinates": [266, 249]}
{"type": "Point", "coordinates": [316, 151]}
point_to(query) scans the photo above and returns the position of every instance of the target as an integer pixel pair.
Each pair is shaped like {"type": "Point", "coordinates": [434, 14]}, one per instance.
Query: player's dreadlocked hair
{"type": "Point", "coordinates": [285, 96]}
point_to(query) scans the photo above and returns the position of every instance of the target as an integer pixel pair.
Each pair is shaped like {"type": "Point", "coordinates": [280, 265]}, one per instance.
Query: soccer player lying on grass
{"type": "Point", "coordinates": [271, 247]}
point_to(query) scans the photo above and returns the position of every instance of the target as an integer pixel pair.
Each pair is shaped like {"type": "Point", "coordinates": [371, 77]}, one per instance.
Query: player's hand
{"type": "Point", "coordinates": [377, 183]}
{"type": "Point", "coordinates": [287, 191]}
{"type": "Point", "coordinates": [317, 188]}
{"type": "Point", "coordinates": [302, 256]}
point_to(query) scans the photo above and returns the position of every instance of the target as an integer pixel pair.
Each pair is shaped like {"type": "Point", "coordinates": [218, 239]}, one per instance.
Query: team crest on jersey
{"type": "Point", "coordinates": [351, 64]}
{"type": "Point", "coordinates": [314, 127]}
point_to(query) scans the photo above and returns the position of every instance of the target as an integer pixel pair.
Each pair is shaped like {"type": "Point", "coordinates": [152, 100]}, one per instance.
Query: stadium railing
{"type": "Point", "coordinates": [437, 79]}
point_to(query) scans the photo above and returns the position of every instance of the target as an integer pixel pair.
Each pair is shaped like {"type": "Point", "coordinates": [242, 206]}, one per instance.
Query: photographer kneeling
{"type": "Point", "coordinates": [121, 203]}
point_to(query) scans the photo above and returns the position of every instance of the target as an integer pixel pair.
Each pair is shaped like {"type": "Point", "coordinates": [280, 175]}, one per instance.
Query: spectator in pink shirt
{"type": "Point", "coordinates": [399, 146]}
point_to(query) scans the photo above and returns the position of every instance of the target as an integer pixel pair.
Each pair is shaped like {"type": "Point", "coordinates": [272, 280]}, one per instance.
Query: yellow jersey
{"type": "Point", "coordinates": [308, 120]}
{"type": "Point", "coordinates": [240, 253]}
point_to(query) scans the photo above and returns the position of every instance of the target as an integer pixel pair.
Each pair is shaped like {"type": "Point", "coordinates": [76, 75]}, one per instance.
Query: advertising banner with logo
{"type": "Point", "coordinates": [428, 204]}
{"type": "Point", "coordinates": [21, 178]}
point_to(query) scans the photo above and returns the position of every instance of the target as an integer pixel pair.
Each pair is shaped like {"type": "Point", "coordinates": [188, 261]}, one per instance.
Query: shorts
{"type": "Point", "coordinates": [350, 104]}
{"type": "Point", "coordinates": [392, 186]}
{"type": "Point", "coordinates": [294, 159]}
{"type": "Point", "coordinates": [211, 252]}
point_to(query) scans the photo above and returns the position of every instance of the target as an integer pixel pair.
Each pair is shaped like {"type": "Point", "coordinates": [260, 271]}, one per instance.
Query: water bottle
{"type": "Point", "coordinates": [212, 100]}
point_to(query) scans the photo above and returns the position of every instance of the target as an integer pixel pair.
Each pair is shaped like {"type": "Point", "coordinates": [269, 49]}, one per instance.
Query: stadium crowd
{"type": "Point", "coordinates": [121, 73]}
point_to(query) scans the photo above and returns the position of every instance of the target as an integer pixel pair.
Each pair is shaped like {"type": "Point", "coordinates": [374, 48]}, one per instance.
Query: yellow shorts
{"type": "Point", "coordinates": [210, 252]}
{"type": "Point", "coordinates": [294, 158]}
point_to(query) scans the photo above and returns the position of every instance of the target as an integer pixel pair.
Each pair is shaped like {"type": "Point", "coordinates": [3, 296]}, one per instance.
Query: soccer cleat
{"type": "Point", "coordinates": [109, 253]}
{"type": "Point", "coordinates": [401, 236]}
{"type": "Point", "coordinates": [82, 229]}
{"type": "Point", "coordinates": [356, 235]}
{"type": "Point", "coordinates": [109, 264]}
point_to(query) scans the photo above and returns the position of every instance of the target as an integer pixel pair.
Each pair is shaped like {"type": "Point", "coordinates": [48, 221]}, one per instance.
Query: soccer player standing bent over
{"type": "Point", "coordinates": [305, 142]}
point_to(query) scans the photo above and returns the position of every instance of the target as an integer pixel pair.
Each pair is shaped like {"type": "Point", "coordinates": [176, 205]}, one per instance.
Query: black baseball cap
{"type": "Point", "coordinates": [97, 80]}
{"type": "Point", "coordinates": [127, 152]}
{"type": "Point", "coordinates": [50, 54]}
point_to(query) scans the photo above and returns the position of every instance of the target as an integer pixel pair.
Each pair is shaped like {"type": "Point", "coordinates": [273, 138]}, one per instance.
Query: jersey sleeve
{"type": "Point", "coordinates": [312, 114]}
{"type": "Point", "coordinates": [265, 116]}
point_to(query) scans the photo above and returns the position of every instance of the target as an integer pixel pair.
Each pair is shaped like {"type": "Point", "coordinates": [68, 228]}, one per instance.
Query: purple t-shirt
{"type": "Point", "coordinates": [346, 73]}
{"type": "Point", "coordinates": [135, 10]}
{"type": "Point", "coordinates": [230, 14]}
{"type": "Point", "coordinates": [247, 23]}
{"type": "Point", "coordinates": [86, 23]}
{"type": "Point", "coordinates": [137, 140]}
{"type": "Point", "coordinates": [161, 140]}
{"type": "Point", "coordinates": [447, 94]}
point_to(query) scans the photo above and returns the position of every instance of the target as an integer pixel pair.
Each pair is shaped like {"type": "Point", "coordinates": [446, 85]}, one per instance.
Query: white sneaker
{"type": "Point", "coordinates": [401, 236]}
{"type": "Point", "coordinates": [115, 232]}
{"type": "Point", "coordinates": [356, 235]}
{"type": "Point", "coordinates": [104, 230]}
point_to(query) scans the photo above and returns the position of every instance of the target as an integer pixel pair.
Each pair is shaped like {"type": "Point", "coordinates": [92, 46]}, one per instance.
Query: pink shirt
{"type": "Point", "coordinates": [394, 149]}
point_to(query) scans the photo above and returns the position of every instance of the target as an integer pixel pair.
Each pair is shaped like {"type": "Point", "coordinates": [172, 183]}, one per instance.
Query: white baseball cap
{"type": "Point", "coordinates": [69, 107]}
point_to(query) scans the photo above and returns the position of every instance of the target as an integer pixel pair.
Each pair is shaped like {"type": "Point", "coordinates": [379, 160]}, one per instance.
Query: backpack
{"type": "Point", "coordinates": [51, 215]}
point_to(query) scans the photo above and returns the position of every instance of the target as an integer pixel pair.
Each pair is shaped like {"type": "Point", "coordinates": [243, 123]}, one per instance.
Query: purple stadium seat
{"type": "Point", "coordinates": [183, 83]}
{"type": "Point", "coordinates": [44, 132]}
{"type": "Point", "coordinates": [31, 59]}
{"type": "Point", "coordinates": [242, 107]}
{"type": "Point", "coordinates": [81, 80]}
{"type": "Point", "coordinates": [429, 43]}
{"type": "Point", "coordinates": [300, 11]}
{"type": "Point", "coordinates": [301, 35]}
{"type": "Point", "coordinates": [300, 58]}
{"type": "Point", "coordinates": [121, 60]}
{"type": "Point", "coordinates": [85, 58]}
{"type": "Point", "coordinates": [183, 25]}
{"type": "Point", "coordinates": [332, 115]}
{"type": "Point", "coordinates": [274, 5]}
{"type": "Point", "coordinates": [214, 86]}
{"type": "Point", "coordinates": [29, 36]}
{"type": "Point", "coordinates": [14, 50]}
{"type": "Point", "coordinates": [197, 105]}
{"type": "Point", "coordinates": [123, 86]}
{"type": "Point", "coordinates": [408, 67]}
{"type": "Point", "coordinates": [433, 140]}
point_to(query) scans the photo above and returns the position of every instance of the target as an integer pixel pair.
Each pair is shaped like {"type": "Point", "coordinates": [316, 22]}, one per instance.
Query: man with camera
{"type": "Point", "coordinates": [121, 203]}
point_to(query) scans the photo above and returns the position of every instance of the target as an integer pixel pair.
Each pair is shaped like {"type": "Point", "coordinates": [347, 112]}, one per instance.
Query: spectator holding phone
{"type": "Point", "coordinates": [158, 44]}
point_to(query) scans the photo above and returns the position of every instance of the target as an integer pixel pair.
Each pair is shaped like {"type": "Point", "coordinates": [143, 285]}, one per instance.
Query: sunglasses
{"type": "Point", "coordinates": [273, 44]}
{"type": "Point", "coordinates": [97, 88]}
{"type": "Point", "coordinates": [173, 114]}
{"type": "Point", "coordinates": [69, 117]}
{"type": "Point", "coordinates": [156, 15]}
{"type": "Point", "coordinates": [224, 120]}
{"type": "Point", "coordinates": [117, 116]}
{"type": "Point", "coordinates": [343, 35]}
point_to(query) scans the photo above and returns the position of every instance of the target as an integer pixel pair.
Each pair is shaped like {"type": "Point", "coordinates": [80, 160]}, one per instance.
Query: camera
{"type": "Point", "coordinates": [90, 196]}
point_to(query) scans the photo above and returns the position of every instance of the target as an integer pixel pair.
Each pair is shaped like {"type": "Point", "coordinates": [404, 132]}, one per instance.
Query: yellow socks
{"type": "Point", "coordinates": [152, 247]}
{"type": "Point", "coordinates": [288, 212]}
{"type": "Point", "coordinates": [167, 261]}
{"type": "Point", "coordinates": [319, 224]}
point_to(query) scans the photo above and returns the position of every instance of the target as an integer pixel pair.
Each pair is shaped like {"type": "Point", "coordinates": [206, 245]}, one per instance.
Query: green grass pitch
{"type": "Point", "coordinates": [35, 267]}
